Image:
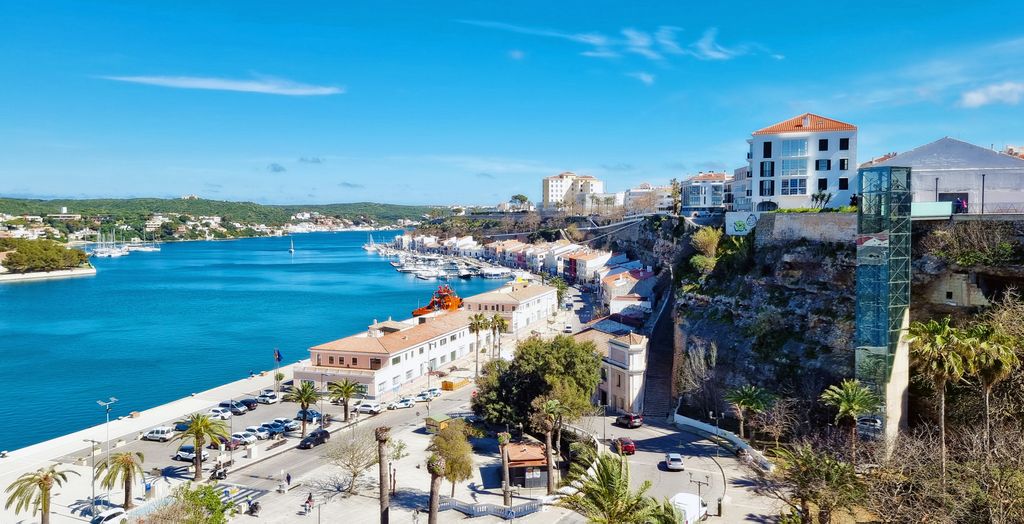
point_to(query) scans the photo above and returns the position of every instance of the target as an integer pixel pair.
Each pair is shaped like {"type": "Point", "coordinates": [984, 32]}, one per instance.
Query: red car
{"type": "Point", "coordinates": [625, 446]}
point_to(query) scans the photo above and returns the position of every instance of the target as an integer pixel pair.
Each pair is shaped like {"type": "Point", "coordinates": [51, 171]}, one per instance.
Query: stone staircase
{"type": "Point", "coordinates": [658, 380]}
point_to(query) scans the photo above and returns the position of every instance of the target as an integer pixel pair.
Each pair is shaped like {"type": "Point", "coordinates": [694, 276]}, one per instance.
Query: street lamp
{"type": "Point", "coordinates": [718, 430]}
{"type": "Point", "coordinates": [323, 385]}
{"type": "Point", "coordinates": [107, 407]}
{"type": "Point", "coordinates": [92, 457]}
{"type": "Point", "coordinates": [700, 483]}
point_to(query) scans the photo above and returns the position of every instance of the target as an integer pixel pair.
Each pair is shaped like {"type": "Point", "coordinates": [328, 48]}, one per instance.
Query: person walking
{"type": "Point", "coordinates": [288, 479]}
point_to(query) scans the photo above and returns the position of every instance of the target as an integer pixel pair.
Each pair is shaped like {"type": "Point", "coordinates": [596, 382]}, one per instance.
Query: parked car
{"type": "Point", "coordinates": [182, 425]}
{"type": "Point", "coordinates": [630, 420]}
{"type": "Point", "coordinates": [402, 403]}
{"type": "Point", "coordinates": [246, 437]}
{"type": "Point", "coordinates": [870, 423]}
{"type": "Point", "coordinates": [187, 453]}
{"type": "Point", "coordinates": [568, 329]}
{"type": "Point", "coordinates": [274, 428]}
{"type": "Point", "coordinates": [673, 462]}
{"type": "Point", "coordinates": [268, 398]}
{"type": "Point", "coordinates": [221, 413]}
{"type": "Point", "coordinates": [289, 424]}
{"type": "Point", "coordinates": [371, 408]}
{"type": "Point", "coordinates": [433, 392]}
{"type": "Point", "coordinates": [315, 438]}
{"type": "Point", "coordinates": [111, 516]}
{"type": "Point", "coordinates": [625, 446]}
{"type": "Point", "coordinates": [309, 415]}
{"type": "Point", "coordinates": [422, 397]}
{"type": "Point", "coordinates": [228, 443]}
{"type": "Point", "coordinates": [250, 403]}
{"type": "Point", "coordinates": [261, 432]}
{"type": "Point", "coordinates": [236, 408]}
{"type": "Point", "coordinates": [160, 434]}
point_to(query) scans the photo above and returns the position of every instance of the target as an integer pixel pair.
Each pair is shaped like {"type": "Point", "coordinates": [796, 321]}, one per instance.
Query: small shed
{"type": "Point", "coordinates": [436, 423]}
{"type": "Point", "coordinates": [527, 465]}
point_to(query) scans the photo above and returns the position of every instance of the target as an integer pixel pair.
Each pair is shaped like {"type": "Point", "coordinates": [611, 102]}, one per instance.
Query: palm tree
{"type": "Point", "coordinates": [503, 439]}
{"type": "Point", "coordinates": [128, 467]}
{"type": "Point", "coordinates": [35, 489]}
{"type": "Point", "coordinates": [748, 398]}
{"type": "Point", "coordinates": [478, 323]}
{"type": "Point", "coordinates": [498, 325]}
{"type": "Point", "coordinates": [343, 391]}
{"type": "Point", "coordinates": [305, 395]}
{"type": "Point", "coordinates": [937, 352]}
{"type": "Point", "coordinates": [993, 362]}
{"type": "Point", "coordinates": [202, 429]}
{"type": "Point", "coordinates": [545, 413]}
{"type": "Point", "coordinates": [436, 467]}
{"type": "Point", "coordinates": [383, 435]}
{"type": "Point", "coordinates": [603, 495]}
{"type": "Point", "coordinates": [851, 399]}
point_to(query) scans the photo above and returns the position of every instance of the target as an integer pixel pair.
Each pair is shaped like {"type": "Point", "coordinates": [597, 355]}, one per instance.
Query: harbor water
{"type": "Point", "coordinates": [156, 326]}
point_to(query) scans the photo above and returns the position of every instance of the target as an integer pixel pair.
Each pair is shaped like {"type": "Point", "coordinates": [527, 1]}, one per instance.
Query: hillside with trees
{"type": "Point", "coordinates": [240, 211]}
{"type": "Point", "coordinates": [29, 256]}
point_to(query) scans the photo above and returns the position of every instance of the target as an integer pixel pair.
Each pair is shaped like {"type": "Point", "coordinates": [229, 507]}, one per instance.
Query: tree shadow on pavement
{"type": "Point", "coordinates": [411, 499]}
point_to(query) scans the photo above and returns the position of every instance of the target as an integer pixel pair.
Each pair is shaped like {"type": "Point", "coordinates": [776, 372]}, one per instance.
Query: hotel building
{"type": "Point", "coordinates": [522, 304]}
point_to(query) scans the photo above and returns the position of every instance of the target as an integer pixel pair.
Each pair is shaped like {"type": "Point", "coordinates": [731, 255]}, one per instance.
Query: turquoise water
{"type": "Point", "coordinates": [154, 327]}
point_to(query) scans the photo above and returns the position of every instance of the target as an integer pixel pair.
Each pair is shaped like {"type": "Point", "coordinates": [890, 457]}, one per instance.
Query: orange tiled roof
{"type": "Point", "coordinates": [708, 176]}
{"type": "Point", "coordinates": [632, 339]}
{"type": "Point", "coordinates": [522, 454]}
{"type": "Point", "coordinates": [814, 123]}
{"type": "Point", "coordinates": [400, 340]}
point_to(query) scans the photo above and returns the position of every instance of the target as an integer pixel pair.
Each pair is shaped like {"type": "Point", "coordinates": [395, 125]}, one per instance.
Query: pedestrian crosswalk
{"type": "Point", "coordinates": [239, 494]}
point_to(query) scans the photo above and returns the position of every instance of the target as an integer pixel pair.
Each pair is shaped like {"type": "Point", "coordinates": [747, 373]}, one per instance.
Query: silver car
{"type": "Point", "coordinates": [674, 462]}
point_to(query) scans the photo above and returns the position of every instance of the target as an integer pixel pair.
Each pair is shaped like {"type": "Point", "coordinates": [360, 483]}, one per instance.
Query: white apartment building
{"type": "Point", "coordinates": [521, 304]}
{"type": "Point", "coordinates": [705, 191]}
{"type": "Point", "coordinates": [390, 354]}
{"type": "Point", "coordinates": [739, 190]}
{"type": "Point", "coordinates": [569, 188]}
{"type": "Point", "coordinates": [796, 158]}
{"type": "Point", "coordinates": [646, 198]}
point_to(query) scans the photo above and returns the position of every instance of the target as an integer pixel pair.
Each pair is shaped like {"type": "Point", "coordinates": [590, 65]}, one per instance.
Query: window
{"type": "Point", "coordinates": [452, 338]}
{"type": "Point", "coordinates": [766, 150]}
{"type": "Point", "coordinates": [396, 360]}
{"type": "Point", "coordinates": [794, 147]}
{"type": "Point", "coordinates": [822, 165]}
{"type": "Point", "coordinates": [396, 381]}
{"type": "Point", "coordinates": [618, 380]}
{"type": "Point", "coordinates": [794, 167]}
{"type": "Point", "coordinates": [844, 184]}
{"type": "Point", "coordinates": [452, 356]}
{"type": "Point", "coordinates": [749, 193]}
{"type": "Point", "coordinates": [949, 295]}
{"type": "Point", "coordinates": [844, 144]}
{"type": "Point", "coordinates": [767, 169]}
{"type": "Point", "coordinates": [822, 144]}
{"type": "Point", "coordinates": [355, 361]}
{"type": "Point", "coordinates": [421, 350]}
{"type": "Point", "coordinates": [844, 164]}
{"type": "Point", "coordinates": [443, 341]}
{"type": "Point", "coordinates": [767, 188]}
{"type": "Point", "coordinates": [822, 184]}
{"type": "Point", "coordinates": [794, 186]}
{"type": "Point", "coordinates": [330, 360]}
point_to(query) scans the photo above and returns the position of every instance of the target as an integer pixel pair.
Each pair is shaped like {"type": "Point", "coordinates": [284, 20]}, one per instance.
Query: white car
{"type": "Point", "coordinates": [221, 413]}
{"type": "Point", "coordinates": [187, 453]}
{"type": "Point", "coordinates": [160, 434]}
{"type": "Point", "coordinates": [568, 329]}
{"type": "Point", "coordinates": [674, 462]}
{"type": "Point", "coordinates": [260, 432]}
{"type": "Point", "coordinates": [268, 398]}
{"type": "Point", "coordinates": [371, 408]}
{"type": "Point", "coordinates": [245, 437]}
{"type": "Point", "coordinates": [402, 403]}
{"type": "Point", "coordinates": [422, 397]}
{"type": "Point", "coordinates": [433, 392]}
{"type": "Point", "coordinates": [288, 423]}
{"type": "Point", "coordinates": [112, 516]}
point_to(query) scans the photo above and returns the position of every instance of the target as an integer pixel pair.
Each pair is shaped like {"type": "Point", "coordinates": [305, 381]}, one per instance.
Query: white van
{"type": "Point", "coordinates": [691, 508]}
{"type": "Point", "coordinates": [160, 434]}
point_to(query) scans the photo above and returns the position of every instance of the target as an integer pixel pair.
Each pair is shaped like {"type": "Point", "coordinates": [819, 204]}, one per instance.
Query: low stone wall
{"type": "Point", "coordinates": [47, 275]}
{"type": "Point", "coordinates": [780, 228]}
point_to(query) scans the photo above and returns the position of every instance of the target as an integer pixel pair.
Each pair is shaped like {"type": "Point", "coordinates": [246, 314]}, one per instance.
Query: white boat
{"type": "Point", "coordinates": [142, 247]}
{"type": "Point", "coordinates": [495, 272]}
{"type": "Point", "coordinates": [370, 246]}
{"type": "Point", "coordinates": [292, 248]}
{"type": "Point", "coordinates": [427, 274]}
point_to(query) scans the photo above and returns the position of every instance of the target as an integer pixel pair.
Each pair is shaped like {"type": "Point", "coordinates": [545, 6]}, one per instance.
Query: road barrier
{"type": "Point", "coordinates": [480, 510]}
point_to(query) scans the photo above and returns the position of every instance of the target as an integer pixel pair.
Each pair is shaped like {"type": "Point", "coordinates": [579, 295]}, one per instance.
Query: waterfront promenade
{"type": "Point", "coordinates": [47, 275]}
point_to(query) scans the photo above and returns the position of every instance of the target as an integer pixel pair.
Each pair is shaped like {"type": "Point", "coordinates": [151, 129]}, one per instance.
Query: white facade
{"type": "Point", "coordinates": [625, 365]}
{"type": "Point", "coordinates": [520, 304]}
{"type": "Point", "coordinates": [569, 189]}
{"type": "Point", "coordinates": [794, 159]}
{"type": "Point", "coordinates": [705, 191]}
{"type": "Point", "coordinates": [646, 198]}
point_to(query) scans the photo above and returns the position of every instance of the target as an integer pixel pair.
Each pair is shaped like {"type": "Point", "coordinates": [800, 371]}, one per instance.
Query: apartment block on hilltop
{"type": "Point", "coordinates": [704, 192]}
{"type": "Point", "coordinates": [796, 158]}
{"type": "Point", "coordinates": [521, 304]}
{"type": "Point", "coordinates": [569, 189]}
{"type": "Point", "coordinates": [391, 353]}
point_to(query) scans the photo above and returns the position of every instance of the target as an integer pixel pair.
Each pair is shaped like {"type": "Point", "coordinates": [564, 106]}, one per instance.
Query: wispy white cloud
{"type": "Point", "coordinates": [265, 85]}
{"type": "Point", "coordinates": [707, 48]}
{"type": "Point", "coordinates": [639, 42]}
{"type": "Point", "coordinates": [646, 78]}
{"type": "Point", "coordinates": [594, 39]}
{"type": "Point", "coordinates": [1003, 93]}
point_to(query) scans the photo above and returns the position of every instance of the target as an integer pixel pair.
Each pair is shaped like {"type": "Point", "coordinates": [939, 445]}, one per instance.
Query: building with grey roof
{"type": "Point", "coordinates": [947, 169]}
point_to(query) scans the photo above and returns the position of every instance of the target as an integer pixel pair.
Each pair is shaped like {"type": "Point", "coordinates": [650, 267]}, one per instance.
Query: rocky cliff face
{"type": "Point", "coordinates": [783, 319]}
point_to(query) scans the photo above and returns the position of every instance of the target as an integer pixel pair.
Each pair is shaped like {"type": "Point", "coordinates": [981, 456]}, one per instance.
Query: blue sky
{"type": "Point", "coordinates": [470, 102]}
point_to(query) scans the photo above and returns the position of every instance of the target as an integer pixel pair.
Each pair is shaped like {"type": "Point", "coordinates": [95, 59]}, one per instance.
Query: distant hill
{"type": "Point", "coordinates": [238, 211]}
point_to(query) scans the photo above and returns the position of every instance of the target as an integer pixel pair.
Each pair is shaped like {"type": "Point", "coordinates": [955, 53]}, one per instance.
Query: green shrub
{"type": "Point", "coordinates": [703, 264]}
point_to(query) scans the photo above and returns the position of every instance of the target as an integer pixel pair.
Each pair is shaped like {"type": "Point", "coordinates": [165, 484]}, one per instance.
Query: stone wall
{"type": "Point", "coordinates": [781, 228]}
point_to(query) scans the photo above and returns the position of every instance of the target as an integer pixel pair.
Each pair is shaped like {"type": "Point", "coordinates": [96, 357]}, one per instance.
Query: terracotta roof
{"type": "Point", "coordinates": [623, 277]}
{"type": "Point", "coordinates": [399, 341]}
{"type": "Point", "coordinates": [521, 454]}
{"type": "Point", "coordinates": [814, 123]}
{"type": "Point", "coordinates": [629, 297]}
{"type": "Point", "coordinates": [513, 294]}
{"type": "Point", "coordinates": [632, 339]}
{"type": "Point", "coordinates": [588, 255]}
{"type": "Point", "coordinates": [708, 176]}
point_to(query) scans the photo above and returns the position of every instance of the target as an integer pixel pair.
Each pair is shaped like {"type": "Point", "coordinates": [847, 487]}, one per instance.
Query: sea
{"type": "Point", "coordinates": [153, 327]}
